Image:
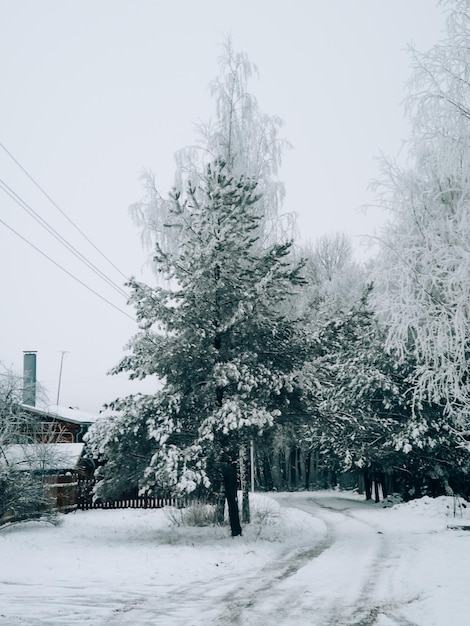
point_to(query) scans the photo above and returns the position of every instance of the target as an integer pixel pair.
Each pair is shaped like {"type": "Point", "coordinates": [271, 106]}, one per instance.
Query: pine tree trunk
{"type": "Point", "coordinates": [360, 482]}
{"type": "Point", "coordinates": [229, 473]}
{"type": "Point", "coordinates": [390, 481]}
{"type": "Point", "coordinates": [275, 471]}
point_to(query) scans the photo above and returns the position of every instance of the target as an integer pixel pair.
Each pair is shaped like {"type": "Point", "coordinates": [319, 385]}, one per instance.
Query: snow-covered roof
{"type": "Point", "coordinates": [42, 456]}
{"type": "Point", "coordinates": [67, 414]}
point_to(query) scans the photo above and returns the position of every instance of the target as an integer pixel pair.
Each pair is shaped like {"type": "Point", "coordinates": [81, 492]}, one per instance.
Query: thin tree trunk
{"type": "Point", "coordinates": [216, 478]}
{"type": "Point", "coordinates": [245, 483]}
{"type": "Point", "coordinates": [367, 485]}
{"type": "Point", "coordinates": [282, 469]}
{"type": "Point", "coordinates": [383, 484]}
{"type": "Point", "coordinates": [267, 473]}
{"type": "Point", "coordinates": [308, 463]}
{"type": "Point", "coordinates": [299, 467]}
{"type": "Point", "coordinates": [292, 456]}
{"type": "Point", "coordinates": [390, 481]}
{"type": "Point", "coordinates": [376, 489]}
{"type": "Point", "coordinates": [220, 508]}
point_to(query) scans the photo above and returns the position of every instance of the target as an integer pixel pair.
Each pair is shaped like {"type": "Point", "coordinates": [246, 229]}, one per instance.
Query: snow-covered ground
{"type": "Point", "coordinates": [314, 558]}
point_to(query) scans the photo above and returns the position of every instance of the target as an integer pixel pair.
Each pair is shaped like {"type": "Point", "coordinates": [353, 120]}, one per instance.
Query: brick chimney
{"type": "Point", "coordinates": [29, 377]}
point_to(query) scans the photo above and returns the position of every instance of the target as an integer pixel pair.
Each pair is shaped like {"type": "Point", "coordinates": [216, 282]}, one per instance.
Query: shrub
{"type": "Point", "coordinates": [22, 496]}
{"type": "Point", "coordinates": [196, 514]}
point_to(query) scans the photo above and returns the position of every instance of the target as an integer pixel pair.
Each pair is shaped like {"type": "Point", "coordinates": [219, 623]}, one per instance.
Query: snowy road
{"type": "Point", "coordinates": [323, 559]}
{"type": "Point", "coordinates": [344, 581]}
{"type": "Point", "coordinates": [361, 569]}
{"type": "Point", "coordinates": [348, 578]}
{"type": "Point", "coordinates": [365, 570]}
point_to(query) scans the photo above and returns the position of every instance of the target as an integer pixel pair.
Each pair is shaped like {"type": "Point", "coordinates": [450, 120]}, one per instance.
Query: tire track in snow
{"type": "Point", "coordinates": [367, 612]}
{"type": "Point", "coordinates": [260, 586]}
{"type": "Point", "coordinates": [375, 613]}
{"type": "Point", "coordinates": [219, 607]}
{"type": "Point", "coordinates": [283, 598]}
{"type": "Point", "coordinates": [225, 601]}
{"type": "Point", "coordinates": [243, 604]}
{"type": "Point", "coordinates": [281, 593]}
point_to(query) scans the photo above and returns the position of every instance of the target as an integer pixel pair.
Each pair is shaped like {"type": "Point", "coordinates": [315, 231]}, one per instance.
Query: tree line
{"type": "Point", "coordinates": [294, 364]}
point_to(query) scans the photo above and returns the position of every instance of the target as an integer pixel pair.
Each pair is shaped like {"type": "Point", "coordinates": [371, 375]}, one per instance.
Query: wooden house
{"type": "Point", "coordinates": [48, 443]}
{"type": "Point", "coordinates": [54, 424]}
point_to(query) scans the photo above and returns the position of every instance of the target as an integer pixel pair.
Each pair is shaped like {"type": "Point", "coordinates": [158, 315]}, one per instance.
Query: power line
{"type": "Point", "coordinates": [66, 271]}
{"type": "Point", "coordinates": [61, 211]}
{"type": "Point", "coordinates": [42, 222]}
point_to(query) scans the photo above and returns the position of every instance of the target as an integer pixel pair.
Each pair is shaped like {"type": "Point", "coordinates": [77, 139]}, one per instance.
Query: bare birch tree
{"type": "Point", "coordinates": [423, 271]}
{"type": "Point", "coordinates": [240, 135]}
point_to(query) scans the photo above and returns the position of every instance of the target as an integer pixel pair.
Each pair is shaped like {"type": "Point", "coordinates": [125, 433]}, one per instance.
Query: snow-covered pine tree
{"type": "Point", "coordinates": [215, 337]}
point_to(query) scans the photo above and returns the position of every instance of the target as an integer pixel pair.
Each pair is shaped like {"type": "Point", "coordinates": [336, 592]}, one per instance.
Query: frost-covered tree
{"type": "Point", "coordinates": [10, 399]}
{"type": "Point", "coordinates": [334, 284]}
{"type": "Point", "coordinates": [361, 413]}
{"type": "Point", "coordinates": [423, 271]}
{"type": "Point", "coordinates": [217, 340]}
{"type": "Point", "coordinates": [334, 280]}
{"type": "Point", "coordinates": [16, 426]}
{"type": "Point", "coordinates": [22, 493]}
{"type": "Point", "coordinates": [245, 139]}
{"type": "Point", "coordinates": [355, 393]}
{"type": "Point", "coordinates": [332, 254]}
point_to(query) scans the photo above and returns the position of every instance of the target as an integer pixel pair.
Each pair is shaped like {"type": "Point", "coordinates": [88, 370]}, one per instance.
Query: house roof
{"type": "Point", "coordinates": [42, 456]}
{"type": "Point", "coordinates": [66, 414]}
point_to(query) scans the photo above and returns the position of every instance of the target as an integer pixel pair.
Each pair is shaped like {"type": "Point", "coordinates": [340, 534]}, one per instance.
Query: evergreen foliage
{"type": "Point", "coordinates": [363, 415]}
{"type": "Point", "coordinates": [216, 338]}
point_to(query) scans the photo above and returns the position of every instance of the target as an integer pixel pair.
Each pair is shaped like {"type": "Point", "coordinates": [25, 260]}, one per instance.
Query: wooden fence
{"type": "Point", "coordinates": [63, 489]}
{"type": "Point", "coordinates": [71, 492]}
{"type": "Point", "coordinates": [132, 500]}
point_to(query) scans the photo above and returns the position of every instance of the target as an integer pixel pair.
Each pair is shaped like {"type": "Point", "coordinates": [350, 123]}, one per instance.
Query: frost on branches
{"type": "Point", "coordinates": [216, 339]}
{"type": "Point", "coordinates": [241, 135]}
{"type": "Point", "coordinates": [423, 278]}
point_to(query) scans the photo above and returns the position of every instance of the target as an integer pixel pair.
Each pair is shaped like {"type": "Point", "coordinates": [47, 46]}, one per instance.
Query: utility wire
{"type": "Point", "coordinates": [24, 205]}
{"type": "Point", "coordinates": [66, 271]}
{"type": "Point", "coordinates": [61, 211]}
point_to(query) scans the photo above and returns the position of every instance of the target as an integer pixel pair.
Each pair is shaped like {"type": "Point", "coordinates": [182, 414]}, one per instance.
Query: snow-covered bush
{"type": "Point", "coordinates": [264, 513]}
{"type": "Point", "coordinates": [22, 496]}
{"type": "Point", "coordinates": [197, 514]}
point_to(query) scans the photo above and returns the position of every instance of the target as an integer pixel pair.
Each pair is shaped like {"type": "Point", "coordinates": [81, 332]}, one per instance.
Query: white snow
{"type": "Point", "coordinates": [69, 414]}
{"type": "Point", "coordinates": [310, 558]}
{"type": "Point", "coordinates": [42, 456]}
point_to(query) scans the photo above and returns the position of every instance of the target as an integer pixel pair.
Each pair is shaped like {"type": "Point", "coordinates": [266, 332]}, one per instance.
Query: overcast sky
{"type": "Point", "coordinates": [92, 91]}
